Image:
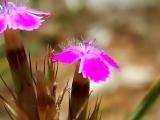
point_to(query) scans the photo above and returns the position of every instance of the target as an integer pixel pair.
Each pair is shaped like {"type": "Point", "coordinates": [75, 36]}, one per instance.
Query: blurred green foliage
{"type": "Point", "coordinates": [146, 103]}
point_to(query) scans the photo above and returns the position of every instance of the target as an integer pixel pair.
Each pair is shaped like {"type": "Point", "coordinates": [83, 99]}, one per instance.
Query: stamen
{"type": "Point", "coordinates": [5, 3]}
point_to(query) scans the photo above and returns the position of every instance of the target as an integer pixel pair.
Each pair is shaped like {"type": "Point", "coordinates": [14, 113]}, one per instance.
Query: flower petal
{"type": "Point", "coordinates": [35, 12]}
{"type": "Point", "coordinates": [110, 60]}
{"type": "Point", "coordinates": [69, 56]}
{"type": "Point", "coordinates": [95, 69]}
{"type": "Point", "coordinates": [25, 21]}
{"type": "Point", "coordinates": [3, 24]}
{"type": "Point", "coordinates": [23, 18]}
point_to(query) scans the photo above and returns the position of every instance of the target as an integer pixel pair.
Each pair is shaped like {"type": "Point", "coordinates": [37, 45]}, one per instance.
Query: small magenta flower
{"type": "Point", "coordinates": [23, 18]}
{"type": "Point", "coordinates": [95, 64]}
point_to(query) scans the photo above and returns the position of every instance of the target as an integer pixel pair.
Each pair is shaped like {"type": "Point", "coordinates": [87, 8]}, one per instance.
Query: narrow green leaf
{"type": "Point", "coordinates": [146, 102]}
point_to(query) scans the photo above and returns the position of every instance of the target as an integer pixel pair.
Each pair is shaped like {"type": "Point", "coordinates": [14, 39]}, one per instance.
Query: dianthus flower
{"type": "Point", "coordinates": [95, 64]}
{"type": "Point", "coordinates": [23, 18]}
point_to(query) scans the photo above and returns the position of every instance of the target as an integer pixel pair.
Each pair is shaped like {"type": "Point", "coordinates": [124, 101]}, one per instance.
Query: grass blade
{"type": "Point", "coordinates": [147, 102]}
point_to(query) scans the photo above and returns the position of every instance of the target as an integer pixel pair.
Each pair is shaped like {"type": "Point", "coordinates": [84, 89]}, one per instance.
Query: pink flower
{"type": "Point", "coordinates": [23, 18]}
{"type": "Point", "coordinates": [95, 64]}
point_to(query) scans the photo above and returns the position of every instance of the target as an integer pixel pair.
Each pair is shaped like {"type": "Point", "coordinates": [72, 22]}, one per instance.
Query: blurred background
{"type": "Point", "coordinates": [128, 30]}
